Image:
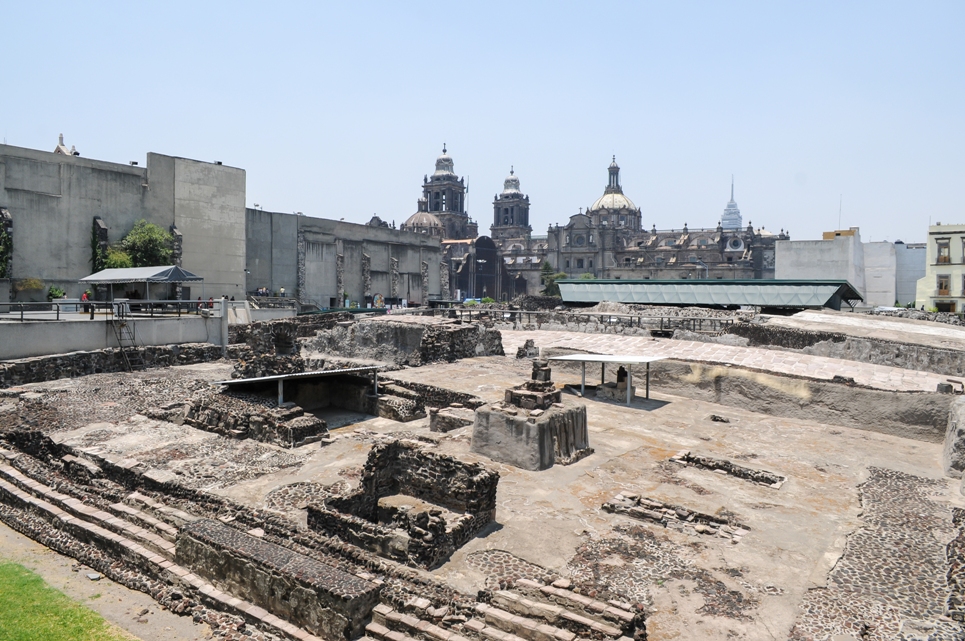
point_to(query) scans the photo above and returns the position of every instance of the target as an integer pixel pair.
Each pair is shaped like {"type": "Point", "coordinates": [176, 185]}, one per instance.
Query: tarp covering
{"type": "Point", "coordinates": [726, 293]}
{"type": "Point", "coordinates": [164, 274]}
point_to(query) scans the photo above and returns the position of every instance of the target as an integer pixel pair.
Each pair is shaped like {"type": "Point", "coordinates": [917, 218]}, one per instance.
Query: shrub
{"type": "Point", "coordinates": [27, 284]}
{"type": "Point", "coordinates": [487, 299]}
{"type": "Point", "coordinates": [117, 258]}
{"type": "Point", "coordinates": [148, 245]}
{"type": "Point", "coordinates": [55, 292]}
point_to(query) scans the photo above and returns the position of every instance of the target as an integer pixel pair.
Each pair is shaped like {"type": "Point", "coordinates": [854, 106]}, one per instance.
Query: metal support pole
{"type": "Point", "coordinates": [375, 382]}
{"type": "Point", "coordinates": [583, 382]}
{"type": "Point", "coordinates": [602, 374]}
{"type": "Point", "coordinates": [281, 391]}
{"type": "Point", "coordinates": [629, 382]}
{"type": "Point", "coordinates": [648, 380]}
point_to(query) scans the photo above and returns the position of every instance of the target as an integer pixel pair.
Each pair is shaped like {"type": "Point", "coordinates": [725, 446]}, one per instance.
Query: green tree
{"type": "Point", "coordinates": [6, 248]}
{"type": "Point", "coordinates": [116, 258]}
{"type": "Point", "coordinates": [97, 255]}
{"type": "Point", "coordinates": [148, 245]}
{"type": "Point", "coordinates": [587, 276]}
{"type": "Point", "coordinates": [549, 278]}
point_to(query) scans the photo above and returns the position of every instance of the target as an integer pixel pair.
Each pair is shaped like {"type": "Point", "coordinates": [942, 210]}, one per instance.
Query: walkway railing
{"type": "Point", "coordinates": [91, 310]}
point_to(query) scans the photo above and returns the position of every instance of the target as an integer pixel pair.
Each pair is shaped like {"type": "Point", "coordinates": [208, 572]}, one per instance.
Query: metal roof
{"type": "Point", "coordinates": [758, 293]}
{"type": "Point", "coordinates": [623, 359]}
{"type": "Point", "coordinates": [284, 377]}
{"type": "Point", "coordinates": [159, 274]}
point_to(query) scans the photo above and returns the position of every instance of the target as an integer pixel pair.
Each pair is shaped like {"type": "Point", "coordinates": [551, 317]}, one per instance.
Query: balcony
{"type": "Point", "coordinates": [944, 260]}
{"type": "Point", "coordinates": [943, 292]}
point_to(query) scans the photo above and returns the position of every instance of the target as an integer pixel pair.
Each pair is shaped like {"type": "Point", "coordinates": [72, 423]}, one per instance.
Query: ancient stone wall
{"type": "Point", "coordinates": [317, 597]}
{"type": "Point", "coordinates": [531, 439]}
{"type": "Point", "coordinates": [407, 343]}
{"type": "Point", "coordinates": [423, 538]}
{"type": "Point", "coordinates": [48, 368]}
{"type": "Point", "coordinates": [866, 350]}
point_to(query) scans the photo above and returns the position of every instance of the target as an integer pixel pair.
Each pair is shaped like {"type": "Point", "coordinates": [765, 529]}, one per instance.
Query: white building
{"type": "Point", "coordinates": [881, 271]}
{"type": "Point", "coordinates": [943, 285]}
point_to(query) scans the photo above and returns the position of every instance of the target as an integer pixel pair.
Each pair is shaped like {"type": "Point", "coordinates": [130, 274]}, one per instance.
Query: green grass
{"type": "Point", "coordinates": [31, 610]}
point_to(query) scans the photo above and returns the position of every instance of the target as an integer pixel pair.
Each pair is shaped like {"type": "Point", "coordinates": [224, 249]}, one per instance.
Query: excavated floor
{"type": "Point", "coordinates": [852, 543]}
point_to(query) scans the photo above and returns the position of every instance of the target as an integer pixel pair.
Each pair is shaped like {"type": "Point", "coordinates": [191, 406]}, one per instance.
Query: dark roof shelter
{"type": "Point", "coordinates": [768, 294]}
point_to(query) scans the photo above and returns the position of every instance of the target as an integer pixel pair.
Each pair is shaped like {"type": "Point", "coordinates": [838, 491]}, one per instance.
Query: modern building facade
{"type": "Point", "coordinates": [56, 200]}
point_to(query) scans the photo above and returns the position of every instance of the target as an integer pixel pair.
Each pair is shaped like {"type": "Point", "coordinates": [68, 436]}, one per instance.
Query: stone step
{"type": "Point", "coordinates": [522, 625]}
{"type": "Point", "coordinates": [138, 555]}
{"type": "Point", "coordinates": [165, 513]}
{"type": "Point", "coordinates": [77, 508]}
{"type": "Point", "coordinates": [146, 521]}
{"type": "Point", "coordinates": [609, 614]}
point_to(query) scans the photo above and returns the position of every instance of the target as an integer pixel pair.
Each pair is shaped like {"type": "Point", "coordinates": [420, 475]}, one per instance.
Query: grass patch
{"type": "Point", "coordinates": [31, 610]}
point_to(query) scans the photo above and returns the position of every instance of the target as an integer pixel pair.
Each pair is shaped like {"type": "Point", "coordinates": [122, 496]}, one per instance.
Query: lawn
{"type": "Point", "coordinates": [31, 610]}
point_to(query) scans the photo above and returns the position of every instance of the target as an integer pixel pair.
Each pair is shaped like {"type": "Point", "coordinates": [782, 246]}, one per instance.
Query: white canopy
{"type": "Point", "coordinates": [162, 274]}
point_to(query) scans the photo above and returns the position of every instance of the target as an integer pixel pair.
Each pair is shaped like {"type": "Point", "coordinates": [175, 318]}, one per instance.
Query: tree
{"type": "Point", "coordinates": [549, 278]}
{"type": "Point", "coordinates": [148, 245]}
{"type": "Point", "coordinates": [587, 276]}
{"type": "Point", "coordinates": [6, 249]}
{"type": "Point", "coordinates": [97, 255]}
{"type": "Point", "coordinates": [116, 258]}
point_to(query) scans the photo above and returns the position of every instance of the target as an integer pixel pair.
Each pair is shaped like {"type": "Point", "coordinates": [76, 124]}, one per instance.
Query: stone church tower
{"type": "Point", "coordinates": [511, 215]}
{"type": "Point", "coordinates": [445, 197]}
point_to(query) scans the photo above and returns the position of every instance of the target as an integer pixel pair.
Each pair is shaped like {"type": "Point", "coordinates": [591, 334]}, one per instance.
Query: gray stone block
{"type": "Point", "coordinates": [953, 456]}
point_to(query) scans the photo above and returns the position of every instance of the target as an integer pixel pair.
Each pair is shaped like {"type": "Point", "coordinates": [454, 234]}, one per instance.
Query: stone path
{"type": "Point", "coordinates": [778, 362]}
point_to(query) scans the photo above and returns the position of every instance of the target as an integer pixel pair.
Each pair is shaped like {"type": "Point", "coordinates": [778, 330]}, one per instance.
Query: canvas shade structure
{"type": "Point", "coordinates": [788, 294]}
{"type": "Point", "coordinates": [146, 275]}
{"type": "Point", "coordinates": [622, 359]}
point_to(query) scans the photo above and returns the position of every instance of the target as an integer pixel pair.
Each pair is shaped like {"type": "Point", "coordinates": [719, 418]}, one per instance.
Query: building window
{"type": "Point", "coordinates": [579, 263]}
{"type": "Point", "coordinates": [567, 239]}
{"type": "Point", "coordinates": [567, 263]}
{"type": "Point", "coordinates": [627, 261]}
{"type": "Point", "coordinates": [944, 251]}
{"type": "Point", "coordinates": [590, 264]}
{"type": "Point", "coordinates": [623, 220]}
{"type": "Point", "coordinates": [591, 239]}
{"type": "Point", "coordinates": [693, 259]}
{"type": "Point", "coordinates": [944, 284]}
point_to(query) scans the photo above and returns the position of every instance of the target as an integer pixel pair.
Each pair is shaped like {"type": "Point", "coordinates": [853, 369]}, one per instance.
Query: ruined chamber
{"type": "Point", "coordinates": [533, 428]}
{"type": "Point", "coordinates": [413, 506]}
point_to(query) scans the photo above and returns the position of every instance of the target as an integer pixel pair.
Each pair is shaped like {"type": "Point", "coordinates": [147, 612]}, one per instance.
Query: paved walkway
{"type": "Point", "coordinates": [778, 362]}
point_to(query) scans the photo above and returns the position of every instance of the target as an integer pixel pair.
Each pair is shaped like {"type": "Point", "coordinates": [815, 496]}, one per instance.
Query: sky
{"type": "Point", "coordinates": [822, 111]}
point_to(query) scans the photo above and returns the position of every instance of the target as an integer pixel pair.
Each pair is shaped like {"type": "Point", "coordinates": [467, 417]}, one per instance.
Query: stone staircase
{"type": "Point", "coordinates": [532, 611]}
{"type": "Point", "coordinates": [132, 535]}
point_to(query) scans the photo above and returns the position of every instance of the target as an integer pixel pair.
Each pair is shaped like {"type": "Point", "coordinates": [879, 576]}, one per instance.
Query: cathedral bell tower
{"type": "Point", "coordinates": [445, 195]}
{"type": "Point", "coordinates": [511, 213]}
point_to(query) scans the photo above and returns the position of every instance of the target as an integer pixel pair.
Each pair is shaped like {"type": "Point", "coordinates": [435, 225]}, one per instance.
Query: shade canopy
{"type": "Point", "coordinates": [163, 274]}
{"type": "Point", "coordinates": [793, 294]}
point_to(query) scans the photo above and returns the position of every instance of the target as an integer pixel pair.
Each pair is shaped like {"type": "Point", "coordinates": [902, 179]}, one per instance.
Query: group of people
{"type": "Point", "coordinates": [264, 291]}
{"type": "Point", "coordinates": [210, 303]}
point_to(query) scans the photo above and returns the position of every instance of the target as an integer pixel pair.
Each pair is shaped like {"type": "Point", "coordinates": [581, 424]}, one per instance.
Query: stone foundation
{"type": "Point", "coordinates": [312, 595]}
{"type": "Point", "coordinates": [532, 440]}
{"type": "Point", "coordinates": [450, 418]}
{"type": "Point", "coordinates": [454, 501]}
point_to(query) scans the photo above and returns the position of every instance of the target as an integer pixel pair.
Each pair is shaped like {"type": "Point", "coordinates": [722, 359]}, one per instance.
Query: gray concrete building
{"type": "Point", "coordinates": [52, 199]}
{"type": "Point", "coordinates": [328, 262]}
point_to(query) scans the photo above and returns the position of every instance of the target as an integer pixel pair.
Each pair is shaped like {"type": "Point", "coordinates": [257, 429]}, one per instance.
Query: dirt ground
{"type": "Point", "coordinates": [133, 611]}
{"type": "Point", "coordinates": [809, 566]}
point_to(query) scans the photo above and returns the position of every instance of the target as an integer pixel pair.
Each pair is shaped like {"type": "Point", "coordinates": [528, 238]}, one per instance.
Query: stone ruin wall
{"type": "Point", "coordinates": [38, 369]}
{"type": "Point", "coordinates": [405, 343]}
{"type": "Point", "coordinates": [854, 348]}
{"type": "Point", "coordinates": [534, 439]}
{"type": "Point", "coordinates": [395, 467]}
{"type": "Point", "coordinates": [315, 596]}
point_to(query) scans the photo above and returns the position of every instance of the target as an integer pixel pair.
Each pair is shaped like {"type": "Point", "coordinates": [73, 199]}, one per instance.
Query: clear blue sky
{"type": "Point", "coordinates": [339, 109]}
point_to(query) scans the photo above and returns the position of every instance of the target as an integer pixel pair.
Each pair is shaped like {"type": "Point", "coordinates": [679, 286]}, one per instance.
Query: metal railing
{"type": "Point", "coordinates": [91, 310]}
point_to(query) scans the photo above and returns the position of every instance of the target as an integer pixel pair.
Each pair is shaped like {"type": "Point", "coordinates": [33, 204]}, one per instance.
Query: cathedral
{"type": "Point", "coordinates": [605, 241]}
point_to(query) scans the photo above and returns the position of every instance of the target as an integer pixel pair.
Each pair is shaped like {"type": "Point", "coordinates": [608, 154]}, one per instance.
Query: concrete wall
{"type": "Point", "coordinates": [53, 199]}
{"type": "Point", "coordinates": [22, 340]}
{"type": "Point", "coordinates": [880, 271]}
{"type": "Point", "coordinates": [273, 258]}
{"type": "Point", "coordinates": [910, 267]}
{"type": "Point", "coordinates": [841, 258]}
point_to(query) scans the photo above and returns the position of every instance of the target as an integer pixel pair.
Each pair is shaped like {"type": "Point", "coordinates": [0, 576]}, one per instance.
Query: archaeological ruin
{"type": "Point", "coordinates": [435, 476]}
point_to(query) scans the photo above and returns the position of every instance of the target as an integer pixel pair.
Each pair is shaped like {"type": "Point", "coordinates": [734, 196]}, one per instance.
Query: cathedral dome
{"type": "Point", "coordinates": [511, 185]}
{"type": "Point", "coordinates": [422, 220]}
{"type": "Point", "coordinates": [614, 200]}
{"type": "Point", "coordinates": [444, 165]}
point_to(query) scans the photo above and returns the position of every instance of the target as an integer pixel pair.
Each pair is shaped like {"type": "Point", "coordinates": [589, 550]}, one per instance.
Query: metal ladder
{"type": "Point", "coordinates": [124, 332]}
